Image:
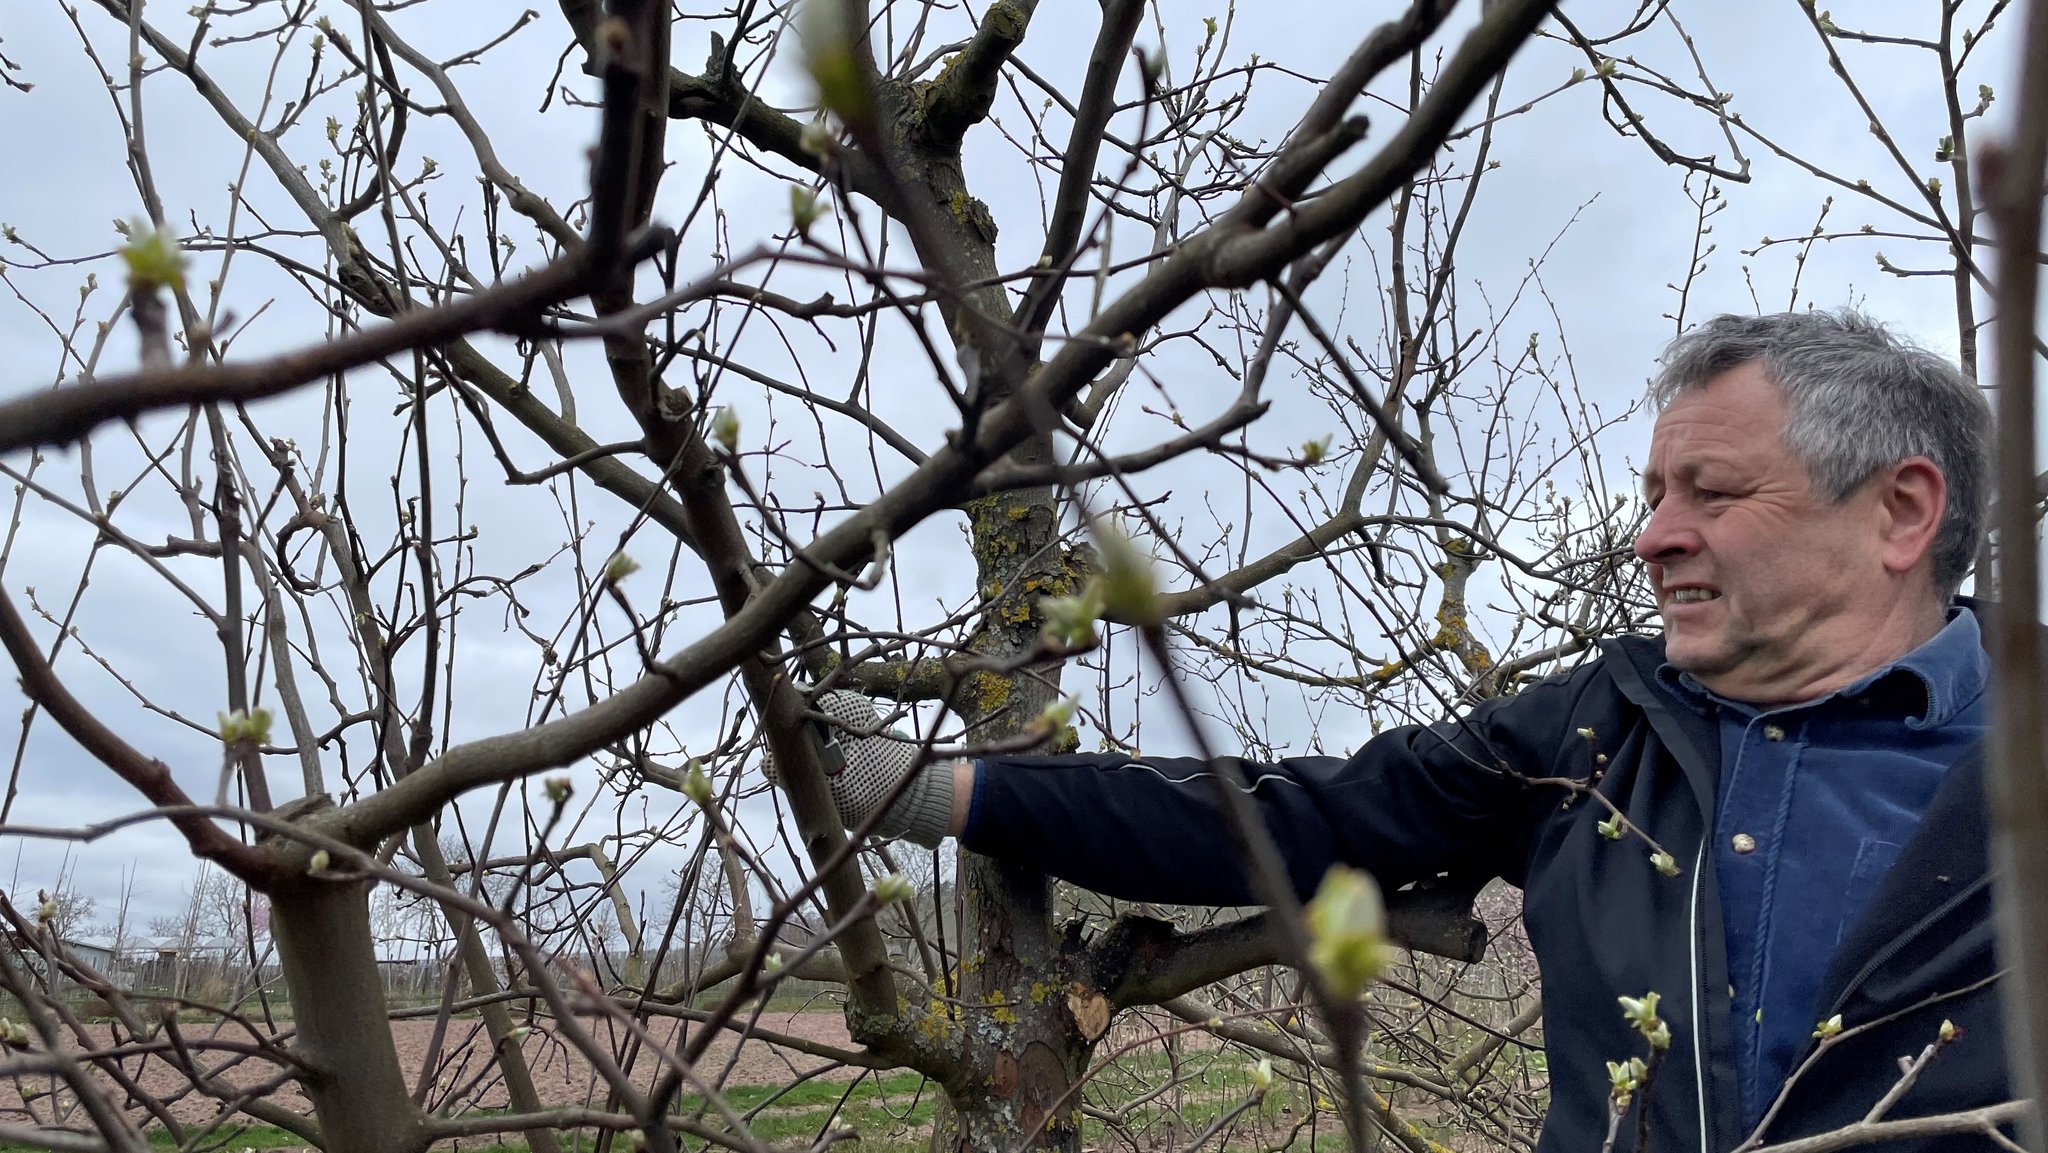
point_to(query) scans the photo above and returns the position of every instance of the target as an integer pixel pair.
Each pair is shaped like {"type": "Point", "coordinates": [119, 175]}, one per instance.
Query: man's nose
{"type": "Point", "coordinates": [1666, 536]}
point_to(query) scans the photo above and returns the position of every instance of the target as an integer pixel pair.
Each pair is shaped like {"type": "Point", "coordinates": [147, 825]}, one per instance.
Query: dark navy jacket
{"type": "Point", "coordinates": [1464, 797]}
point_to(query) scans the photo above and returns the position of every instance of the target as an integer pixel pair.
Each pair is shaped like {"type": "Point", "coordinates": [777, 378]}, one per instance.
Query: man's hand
{"type": "Point", "coordinates": [863, 765]}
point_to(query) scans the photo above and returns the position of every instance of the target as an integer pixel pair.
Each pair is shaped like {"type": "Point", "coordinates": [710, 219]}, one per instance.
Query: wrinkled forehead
{"type": "Point", "coordinates": [1752, 382]}
{"type": "Point", "coordinates": [1736, 422]}
{"type": "Point", "coordinates": [1744, 396]}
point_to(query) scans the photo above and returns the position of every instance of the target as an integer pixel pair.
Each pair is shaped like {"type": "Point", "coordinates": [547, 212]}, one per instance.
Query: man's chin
{"type": "Point", "coordinates": [1691, 654]}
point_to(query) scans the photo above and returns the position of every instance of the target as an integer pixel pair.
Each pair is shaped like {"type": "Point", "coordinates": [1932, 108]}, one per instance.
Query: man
{"type": "Point", "coordinates": [1796, 765]}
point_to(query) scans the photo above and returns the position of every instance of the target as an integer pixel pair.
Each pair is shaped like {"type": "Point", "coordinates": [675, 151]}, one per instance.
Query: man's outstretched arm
{"type": "Point", "coordinates": [1414, 802]}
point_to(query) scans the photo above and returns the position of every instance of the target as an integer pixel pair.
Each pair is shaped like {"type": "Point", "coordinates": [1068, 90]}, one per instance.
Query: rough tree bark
{"type": "Point", "coordinates": [359, 1093]}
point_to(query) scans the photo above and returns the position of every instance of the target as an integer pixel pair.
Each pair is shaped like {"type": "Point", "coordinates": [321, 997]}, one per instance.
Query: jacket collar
{"type": "Point", "coordinates": [1692, 736]}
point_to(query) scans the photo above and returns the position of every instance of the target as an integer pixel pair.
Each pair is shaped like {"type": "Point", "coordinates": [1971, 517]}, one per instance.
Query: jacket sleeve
{"type": "Point", "coordinates": [1415, 802]}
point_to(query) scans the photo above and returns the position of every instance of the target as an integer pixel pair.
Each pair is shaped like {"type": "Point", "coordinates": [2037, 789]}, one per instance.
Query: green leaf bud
{"type": "Point", "coordinates": [1640, 1011]}
{"type": "Point", "coordinates": [1347, 931]}
{"type": "Point", "coordinates": [1058, 714]}
{"type": "Point", "coordinates": [153, 259]}
{"type": "Point", "coordinates": [725, 429]}
{"type": "Point", "coordinates": [1130, 591]}
{"type": "Point", "coordinates": [1071, 620]}
{"type": "Point", "coordinates": [696, 785]}
{"type": "Point", "coordinates": [828, 49]}
{"type": "Point", "coordinates": [1624, 1078]}
{"type": "Point", "coordinates": [804, 208]}
{"type": "Point", "coordinates": [815, 139]}
{"type": "Point", "coordinates": [240, 726]}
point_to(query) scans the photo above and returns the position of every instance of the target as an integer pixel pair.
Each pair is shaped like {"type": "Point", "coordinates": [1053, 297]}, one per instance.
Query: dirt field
{"type": "Point", "coordinates": [561, 1075]}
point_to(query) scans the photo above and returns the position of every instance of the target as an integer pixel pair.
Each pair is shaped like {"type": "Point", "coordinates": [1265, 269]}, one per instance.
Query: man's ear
{"type": "Point", "coordinates": [1912, 496]}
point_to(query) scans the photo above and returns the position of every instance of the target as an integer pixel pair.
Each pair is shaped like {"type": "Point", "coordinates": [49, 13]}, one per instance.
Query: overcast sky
{"type": "Point", "coordinates": [1612, 226]}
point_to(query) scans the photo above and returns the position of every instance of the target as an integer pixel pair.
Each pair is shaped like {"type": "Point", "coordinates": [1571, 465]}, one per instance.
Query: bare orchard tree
{"type": "Point", "coordinates": [486, 471]}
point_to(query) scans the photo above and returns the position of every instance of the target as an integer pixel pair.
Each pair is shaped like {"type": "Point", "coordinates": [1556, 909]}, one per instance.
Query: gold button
{"type": "Point", "coordinates": [1743, 843]}
{"type": "Point", "coordinates": [1773, 733]}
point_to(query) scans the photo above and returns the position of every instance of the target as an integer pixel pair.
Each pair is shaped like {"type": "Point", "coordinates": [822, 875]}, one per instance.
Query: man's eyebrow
{"type": "Point", "coordinates": [1686, 471]}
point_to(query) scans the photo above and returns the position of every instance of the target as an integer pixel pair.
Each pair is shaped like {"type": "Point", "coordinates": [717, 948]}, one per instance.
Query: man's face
{"type": "Point", "coordinates": [1770, 592]}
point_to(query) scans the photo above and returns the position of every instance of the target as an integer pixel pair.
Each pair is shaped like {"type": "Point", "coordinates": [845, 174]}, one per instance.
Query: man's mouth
{"type": "Point", "coordinates": [1692, 596]}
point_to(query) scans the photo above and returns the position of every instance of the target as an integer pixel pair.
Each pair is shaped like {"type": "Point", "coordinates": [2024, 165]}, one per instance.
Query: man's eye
{"type": "Point", "coordinates": [1712, 494]}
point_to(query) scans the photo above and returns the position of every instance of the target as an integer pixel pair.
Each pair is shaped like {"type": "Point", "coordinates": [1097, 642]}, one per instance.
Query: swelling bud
{"type": "Point", "coordinates": [253, 725]}
{"type": "Point", "coordinates": [697, 786]}
{"type": "Point", "coordinates": [828, 49]}
{"type": "Point", "coordinates": [1347, 929]}
{"type": "Point", "coordinates": [1129, 588]}
{"type": "Point", "coordinates": [153, 259]}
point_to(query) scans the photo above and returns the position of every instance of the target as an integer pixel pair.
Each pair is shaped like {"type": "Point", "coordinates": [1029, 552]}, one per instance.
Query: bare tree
{"type": "Point", "coordinates": [766, 395]}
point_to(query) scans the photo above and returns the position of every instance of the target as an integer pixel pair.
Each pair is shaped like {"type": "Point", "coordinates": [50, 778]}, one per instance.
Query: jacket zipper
{"type": "Point", "coordinates": [1699, 1027]}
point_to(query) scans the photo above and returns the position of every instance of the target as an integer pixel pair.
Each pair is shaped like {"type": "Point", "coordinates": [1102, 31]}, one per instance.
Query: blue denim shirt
{"type": "Point", "coordinates": [1816, 801]}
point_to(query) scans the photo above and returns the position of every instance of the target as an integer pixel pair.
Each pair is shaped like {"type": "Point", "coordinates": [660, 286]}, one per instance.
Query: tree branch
{"type": "Point", "coordinates": [824, 965]}
{"type": "Point", "coordinates": [1308, 546]}
{"type": "Point", "coordinates": [1009, 475]}
{"type": "Point", "coordinates": [1324, 132]}
{"type": "Point", "coordinates": [1120, 20]}
{"type": "Point", "coordinates": [965, 89]}
{"type": "Point", "coordinates": [1292, 1047]}
{"type": "Point", "coordinates": [1145, 961]}
{"type": "Point", "coordinates": [522, 199]}
{"type": "Point", "coordinates": [1246, 259]}
{"type": "Point", "coordinates": [1985, 1120]}
{"type": "Point", "coordinates": [145, 774]}
{"type": "Point", "coordinates": [924, 679]}
{"type": "Point", "coordinates": [63, 415]}
{"type": "Point", "coordinates": [719, 98]}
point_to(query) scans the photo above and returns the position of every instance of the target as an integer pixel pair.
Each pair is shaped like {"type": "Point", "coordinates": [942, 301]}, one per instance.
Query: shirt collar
{"type": "Point", "coordinates": [1931, 684]}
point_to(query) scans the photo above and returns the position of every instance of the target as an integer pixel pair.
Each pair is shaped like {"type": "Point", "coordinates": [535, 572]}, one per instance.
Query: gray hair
{"type": "Point", "coordinates": [1860, 399]}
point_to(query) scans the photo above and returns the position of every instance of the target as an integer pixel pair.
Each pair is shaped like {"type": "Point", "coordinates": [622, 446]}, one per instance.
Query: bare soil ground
{"type": "Point", "coordinates": [464, 1070]}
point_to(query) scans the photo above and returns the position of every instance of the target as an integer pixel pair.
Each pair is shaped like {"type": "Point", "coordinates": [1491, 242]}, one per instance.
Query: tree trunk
{"type": "Point", "coordinates": [322, 929]}
{"type": "Point", "coordinates": [1027, 1047]}
{"type": "Point", "coordinates": [1018, 1035]}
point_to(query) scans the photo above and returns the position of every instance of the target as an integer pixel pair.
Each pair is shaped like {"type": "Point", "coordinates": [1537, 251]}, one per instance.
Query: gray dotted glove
{"type": "Point", "coordinates": [862, 769]}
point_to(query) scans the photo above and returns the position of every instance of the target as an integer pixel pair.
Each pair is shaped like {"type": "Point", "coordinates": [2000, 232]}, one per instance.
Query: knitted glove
{"type": "Point", "coordinates": [862, 769]}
